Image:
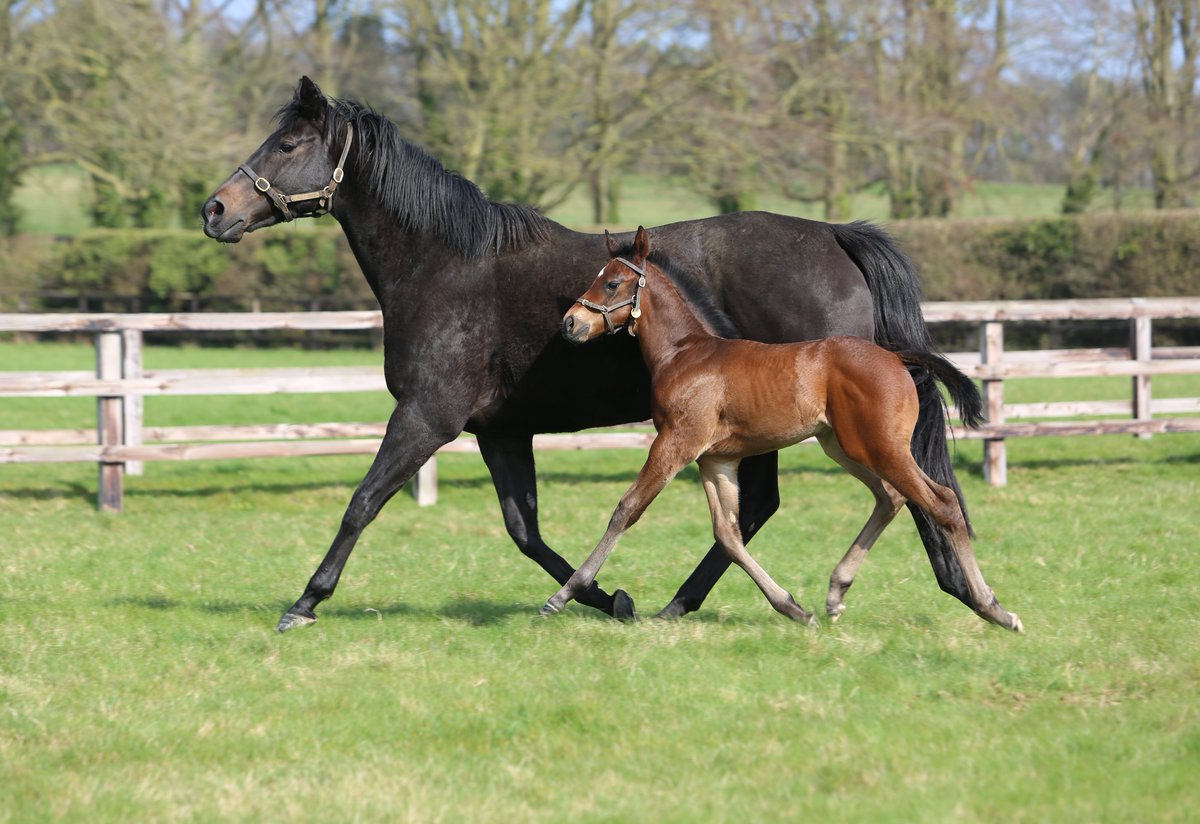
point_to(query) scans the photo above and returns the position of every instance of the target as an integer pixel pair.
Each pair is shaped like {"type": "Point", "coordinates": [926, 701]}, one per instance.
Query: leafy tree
{"type": "Point", "coordinates": [10, 170]}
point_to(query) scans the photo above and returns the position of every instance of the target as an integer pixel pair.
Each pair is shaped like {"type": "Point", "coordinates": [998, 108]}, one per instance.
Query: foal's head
{"type": "Point", "coordinates": [613, 302]}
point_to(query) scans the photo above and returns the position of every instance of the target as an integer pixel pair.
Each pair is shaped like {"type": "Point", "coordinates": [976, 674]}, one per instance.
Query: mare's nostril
{"type": "Point", "coordinates": [568, 324]}
{"type": "Point", "coordinates": [214, 208]}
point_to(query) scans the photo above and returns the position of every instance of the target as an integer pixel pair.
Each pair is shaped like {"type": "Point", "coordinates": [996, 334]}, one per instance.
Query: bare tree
{"type": "Point", "coordinates": [815, 148]}
{"type": "Point", "coordinates": [498, 96]}
{"type": "Point", "coordinates": [1168, 44]}
{"type": "Point", "coordinates": [730, 92]}
{"type": "Point", "coordinates": [630, 80]}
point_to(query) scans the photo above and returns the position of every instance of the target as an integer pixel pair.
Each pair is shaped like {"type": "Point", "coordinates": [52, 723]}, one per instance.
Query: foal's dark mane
{"type": "Point", "coordinates": [415, 189]}
{"type": "Point", "coordinates": [694, 291]}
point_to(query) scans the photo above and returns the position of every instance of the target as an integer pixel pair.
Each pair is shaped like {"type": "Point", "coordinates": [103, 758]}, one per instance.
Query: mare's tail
{"type": "Point", "coordinates": [900, 326]}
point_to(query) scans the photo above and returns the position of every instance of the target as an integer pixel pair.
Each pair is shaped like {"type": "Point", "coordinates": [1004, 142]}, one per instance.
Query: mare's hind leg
{"type": "Point", "coordinates": [721, 487]}
{"type": "Point", "coordinates": [510, 460]}
{"type": "Point", "coordinates": [887, 503]}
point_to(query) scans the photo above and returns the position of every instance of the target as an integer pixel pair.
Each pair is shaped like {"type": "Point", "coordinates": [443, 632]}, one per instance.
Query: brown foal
{"type": "Point", "coordinates": [717, 401]}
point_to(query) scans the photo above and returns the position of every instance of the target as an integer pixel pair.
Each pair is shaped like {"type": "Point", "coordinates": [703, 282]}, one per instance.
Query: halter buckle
{"type": "Point", "coordinates": [262, 184]}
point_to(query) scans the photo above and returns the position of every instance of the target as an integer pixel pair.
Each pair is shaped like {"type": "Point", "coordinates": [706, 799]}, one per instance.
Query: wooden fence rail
{"type": "Point", "coordinates": [120, 441]}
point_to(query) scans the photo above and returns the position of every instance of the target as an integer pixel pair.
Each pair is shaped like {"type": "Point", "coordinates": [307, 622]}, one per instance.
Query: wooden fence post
{"type": "Point", "coordinates": [132, 407]}
{"type": "Point", "coordinates": [995, 453]}
{"type": "Point", "coordinates": [109, 424]}
{"type": "Point", "coordinates": [1140, 350]}
{"type": "Point", "coordinates": [424, 483]}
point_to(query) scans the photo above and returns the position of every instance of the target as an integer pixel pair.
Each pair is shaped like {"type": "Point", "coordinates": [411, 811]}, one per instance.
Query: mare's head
{"type": "Point", "coordinates": [294, 173]}
{"type": "Point", "coordinates": [613, 301]}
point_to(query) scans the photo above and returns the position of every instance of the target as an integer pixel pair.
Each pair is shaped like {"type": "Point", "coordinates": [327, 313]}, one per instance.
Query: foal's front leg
{"type": "Point", "coordinates": [666, 459]}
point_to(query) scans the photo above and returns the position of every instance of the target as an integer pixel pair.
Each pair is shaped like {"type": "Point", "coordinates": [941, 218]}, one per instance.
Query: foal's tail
{"type": "Point", "coordinates": [900, 326]}
{"type": "Point", "coordinates": [932, 366]}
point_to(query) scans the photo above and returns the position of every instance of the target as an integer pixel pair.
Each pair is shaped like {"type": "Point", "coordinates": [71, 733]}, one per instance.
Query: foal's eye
{"type": "Point", "coordinates": [612, 285]}
{"type": "Point", "coordinates": [287, 147]}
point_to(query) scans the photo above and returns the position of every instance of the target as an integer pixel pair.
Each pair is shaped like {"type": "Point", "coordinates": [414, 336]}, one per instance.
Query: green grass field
{"type": "Point", "coordinates": [141, 677]}
{"type": "Point", "coordinates": [54, 199]}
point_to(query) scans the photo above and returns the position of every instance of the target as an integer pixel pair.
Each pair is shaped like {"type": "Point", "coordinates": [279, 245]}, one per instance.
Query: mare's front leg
{"type": "Point", "coordinates": [510, 461]}
{"type": "Point", "coordinates": [667, 457]}
{"type": "Point", "coordinates": [411, 439]}
{"type": "Point", "coordinates": [758, 482]}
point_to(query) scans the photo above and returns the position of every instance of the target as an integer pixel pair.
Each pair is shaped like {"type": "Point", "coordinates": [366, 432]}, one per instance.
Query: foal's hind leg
{"type": "Point", "coordinates": [942, 506]}
{"type": "Point", "coordinates": [887, 503]}
{"type": "Point", "coordinates": [721, 487]}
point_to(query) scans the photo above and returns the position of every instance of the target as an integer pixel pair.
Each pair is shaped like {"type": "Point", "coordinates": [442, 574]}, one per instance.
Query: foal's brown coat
{"type": "Point", "coordinates": [716, 401]}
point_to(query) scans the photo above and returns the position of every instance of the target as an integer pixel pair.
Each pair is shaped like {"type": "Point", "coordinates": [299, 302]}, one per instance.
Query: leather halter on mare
{"type": "Point", "coordinates": [323, 196]}
{"type": "Point", "coordinates": [636, 300]}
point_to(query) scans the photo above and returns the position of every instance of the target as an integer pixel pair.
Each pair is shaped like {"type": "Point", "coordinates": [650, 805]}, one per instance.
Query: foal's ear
{"type": "Point", "coordinates": [611, 243]}
{"type": "Point", "coordinates": [641, 243]}
{"type": "Point", "coordinates": [309, 101]}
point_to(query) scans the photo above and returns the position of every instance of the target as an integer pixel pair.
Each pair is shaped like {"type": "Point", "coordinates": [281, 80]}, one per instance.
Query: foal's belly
{"type": "Point", "coordinates": [742, 442]}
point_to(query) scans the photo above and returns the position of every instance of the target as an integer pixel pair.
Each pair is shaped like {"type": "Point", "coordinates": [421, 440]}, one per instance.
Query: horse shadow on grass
{"type": "Point", "coordinates": [471, 611]}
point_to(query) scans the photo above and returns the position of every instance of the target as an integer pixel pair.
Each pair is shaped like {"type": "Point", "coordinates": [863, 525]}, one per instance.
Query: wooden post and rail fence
{"type": "Point", "coordinates": [121, 442]}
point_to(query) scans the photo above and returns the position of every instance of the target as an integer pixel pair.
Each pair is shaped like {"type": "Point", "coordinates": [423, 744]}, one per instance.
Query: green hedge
{"type": "Point", "coordinates": [1143, 254]}
{"type": "Point", "coordinates": [280, 269]}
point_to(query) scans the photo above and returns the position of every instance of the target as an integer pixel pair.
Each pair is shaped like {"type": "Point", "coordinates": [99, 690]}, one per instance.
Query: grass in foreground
{"type": "Point", "coordinates": [140, 676]}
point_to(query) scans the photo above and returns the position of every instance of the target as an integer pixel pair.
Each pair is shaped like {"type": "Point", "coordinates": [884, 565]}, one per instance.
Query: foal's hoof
{"type": "Point", "coordinates": [797, 613]}
{"type": "Point", "coordinates": [835, 613]}
{"type": "Point", "coordinates": [549, 609]}
{"type": "Point", "coordinates": [623, 609]}
{"type": "Point", "coordinates": [291, 620]}
{"type": "Point", "coordinates": [1015, 625]}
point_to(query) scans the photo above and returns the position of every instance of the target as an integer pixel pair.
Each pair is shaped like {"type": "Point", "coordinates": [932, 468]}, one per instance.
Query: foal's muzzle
{"type": "Point", "coordinates": [573, 330]}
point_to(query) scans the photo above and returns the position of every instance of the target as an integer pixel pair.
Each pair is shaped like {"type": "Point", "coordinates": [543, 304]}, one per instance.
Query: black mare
{"type": "Point", "coordinates": [472, 293]}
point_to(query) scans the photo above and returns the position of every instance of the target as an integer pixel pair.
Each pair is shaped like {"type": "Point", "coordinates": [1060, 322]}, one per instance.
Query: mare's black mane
{"type": "Point", "coordinates": [694, 291]}
{"type": "Point", "coordinates": [415, 189]}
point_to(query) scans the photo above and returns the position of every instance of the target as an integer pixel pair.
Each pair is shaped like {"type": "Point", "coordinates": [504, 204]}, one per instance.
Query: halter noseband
{"type": "Point", "coordinates": [636, 300]}
{"type": "Point", "coordinates": [323, 196]}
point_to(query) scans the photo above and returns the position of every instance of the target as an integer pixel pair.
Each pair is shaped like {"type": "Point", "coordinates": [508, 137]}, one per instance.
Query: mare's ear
{"type": "Point", "coordinates": [641, 243]}
{"type": "Point", "coordinates": [611, 243]}
{"type": "Point", "coordinates": [309, 101]}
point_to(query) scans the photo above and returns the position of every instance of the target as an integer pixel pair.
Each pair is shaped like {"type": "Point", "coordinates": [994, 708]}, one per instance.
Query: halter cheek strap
{"type": "Point", "coordinates": [324, 197]}
{"type": "Point", "coordinates": [606, 311]}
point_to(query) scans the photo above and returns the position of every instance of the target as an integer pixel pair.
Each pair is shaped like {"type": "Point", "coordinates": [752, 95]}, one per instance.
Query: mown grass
{"type": "Point", "coordinates": [54, 201]}
{"type": "Point", "coordinates": [655, 200]}
{"type": "Point", "coordinates": [141, 678]}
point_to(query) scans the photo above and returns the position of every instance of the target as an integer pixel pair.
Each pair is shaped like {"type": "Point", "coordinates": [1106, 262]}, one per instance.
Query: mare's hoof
{"type": "Point", "coordinates": [549, 609]}
{"type": "Point", "coordinates": [291, 620]}
{"type": "Point", "coordinates": [623, 609]}
{"type": "Point", "coordinates": [1016, 625]}
{"type": "Point", "coordinates": [673, 610]}
{"type": "Point", "coordinates": [835, 613]}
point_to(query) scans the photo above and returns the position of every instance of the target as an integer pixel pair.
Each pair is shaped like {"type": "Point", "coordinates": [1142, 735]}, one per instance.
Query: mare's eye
{"type": "Point", "coordinates": [287, 147]}
{"type": "Point", "coordinates": [612, 285]}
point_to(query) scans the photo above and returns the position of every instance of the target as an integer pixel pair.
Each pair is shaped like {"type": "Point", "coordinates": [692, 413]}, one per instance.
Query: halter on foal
{"type": "Point", "coordinates": [717, 401]}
